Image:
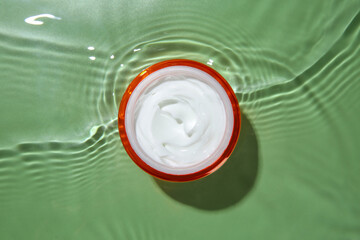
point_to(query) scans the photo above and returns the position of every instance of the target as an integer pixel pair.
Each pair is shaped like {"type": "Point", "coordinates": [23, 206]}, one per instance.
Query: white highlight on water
{"type": "Point", "coordinates": [33, 19]}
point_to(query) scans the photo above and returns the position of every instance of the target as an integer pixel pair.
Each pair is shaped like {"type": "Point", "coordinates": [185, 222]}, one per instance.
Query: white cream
{"type": "Point", "coordinates": [179, 120]}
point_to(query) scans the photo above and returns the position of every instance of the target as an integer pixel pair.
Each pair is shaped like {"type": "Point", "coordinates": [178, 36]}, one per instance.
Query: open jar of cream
{"type": "Point", "coordinates": [179, 120]}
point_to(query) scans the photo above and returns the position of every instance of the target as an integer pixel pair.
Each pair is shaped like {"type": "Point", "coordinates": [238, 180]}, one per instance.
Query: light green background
{"type": "Point", "coordinates": [294, 66]}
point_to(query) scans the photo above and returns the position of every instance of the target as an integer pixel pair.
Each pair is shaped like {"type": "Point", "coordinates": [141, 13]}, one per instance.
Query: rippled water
{"type": "Point", "coordinates": [294, 65]}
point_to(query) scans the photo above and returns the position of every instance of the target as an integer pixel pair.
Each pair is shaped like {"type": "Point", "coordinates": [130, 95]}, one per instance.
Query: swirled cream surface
{"type": "Point", "coordinates": [178, 119]}
{"type": "Point", "coordinates": [180, 122]}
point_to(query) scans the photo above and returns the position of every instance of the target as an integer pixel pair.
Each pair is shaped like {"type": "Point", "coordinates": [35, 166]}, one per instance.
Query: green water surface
{"type": "Point", "coordinates": [294, 66]}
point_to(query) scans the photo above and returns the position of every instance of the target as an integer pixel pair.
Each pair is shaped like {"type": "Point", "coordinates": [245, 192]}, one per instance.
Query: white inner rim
{"type": "Point", "coordinates": [180, 71]}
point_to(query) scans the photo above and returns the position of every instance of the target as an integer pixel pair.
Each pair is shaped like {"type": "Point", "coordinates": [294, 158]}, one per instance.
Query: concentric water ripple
{"type": "Point", "coordinates": [294, 66]}
{"type": "Point", "coordinates": [72, 166]}
{"type": "Point", "coordinates": [179, 39]}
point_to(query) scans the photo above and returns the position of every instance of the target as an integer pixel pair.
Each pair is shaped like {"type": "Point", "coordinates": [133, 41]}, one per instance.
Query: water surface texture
{"type": "Point", "coordinates": [294, 66]}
